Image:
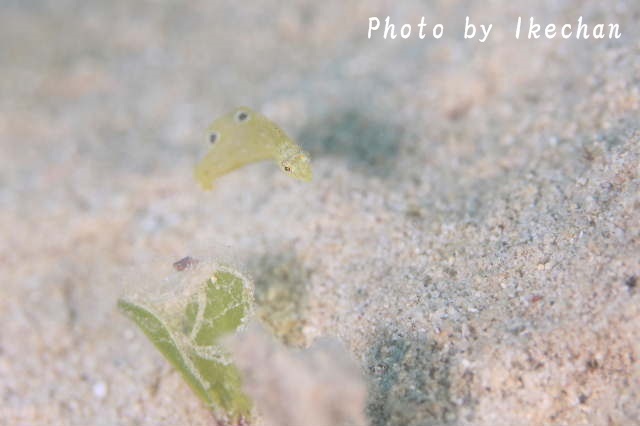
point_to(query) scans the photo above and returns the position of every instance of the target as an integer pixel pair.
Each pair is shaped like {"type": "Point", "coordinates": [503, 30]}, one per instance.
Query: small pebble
{"type": "Point", "coordinates": [100, 390]}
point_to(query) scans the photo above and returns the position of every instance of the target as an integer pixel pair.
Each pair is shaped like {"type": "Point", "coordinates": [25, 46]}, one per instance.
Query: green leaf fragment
{"type": "Point", "coordinates": [186, 328]}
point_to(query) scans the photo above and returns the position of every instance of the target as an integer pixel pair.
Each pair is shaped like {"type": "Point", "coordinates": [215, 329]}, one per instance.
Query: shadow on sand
{"type": "Point", "coordinates": [409, 383]}
{"type": "Point", "coordinates": [281, 295]}
{"type": "Point", "coordinates": [367, 141]}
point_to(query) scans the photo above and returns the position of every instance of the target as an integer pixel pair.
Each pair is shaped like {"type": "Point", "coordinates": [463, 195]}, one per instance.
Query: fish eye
{"type": "Point", "coordinates": [213, 137]}
{"type": "Point", "coordinates": [287, 168]}
{"type": "Point", "coordinates": [241, 116]}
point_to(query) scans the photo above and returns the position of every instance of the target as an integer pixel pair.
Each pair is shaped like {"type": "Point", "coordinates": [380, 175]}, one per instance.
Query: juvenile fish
{"type": "Point", "coordinates": [244, 136]}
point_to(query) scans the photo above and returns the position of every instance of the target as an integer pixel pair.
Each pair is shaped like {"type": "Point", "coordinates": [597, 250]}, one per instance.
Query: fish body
{"type": "Point", "coordinates": [244, 136]}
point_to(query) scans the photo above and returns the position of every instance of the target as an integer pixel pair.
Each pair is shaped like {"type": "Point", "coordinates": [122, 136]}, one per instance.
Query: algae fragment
{"type": "Point", "coordinates": [186, 323]}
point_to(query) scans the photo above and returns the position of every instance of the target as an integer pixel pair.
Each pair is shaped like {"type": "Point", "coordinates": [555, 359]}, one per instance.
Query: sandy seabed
{"type": "Point", "coordinates": [471, 236]}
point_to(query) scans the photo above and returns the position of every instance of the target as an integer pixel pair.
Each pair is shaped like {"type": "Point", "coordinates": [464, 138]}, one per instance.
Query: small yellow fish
{"type": "Point", "coordinates": [244, 136]}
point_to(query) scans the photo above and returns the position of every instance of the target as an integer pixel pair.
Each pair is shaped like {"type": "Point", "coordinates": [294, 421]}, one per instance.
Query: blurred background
{"type": "Point", "coordinates": [472, 234]}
